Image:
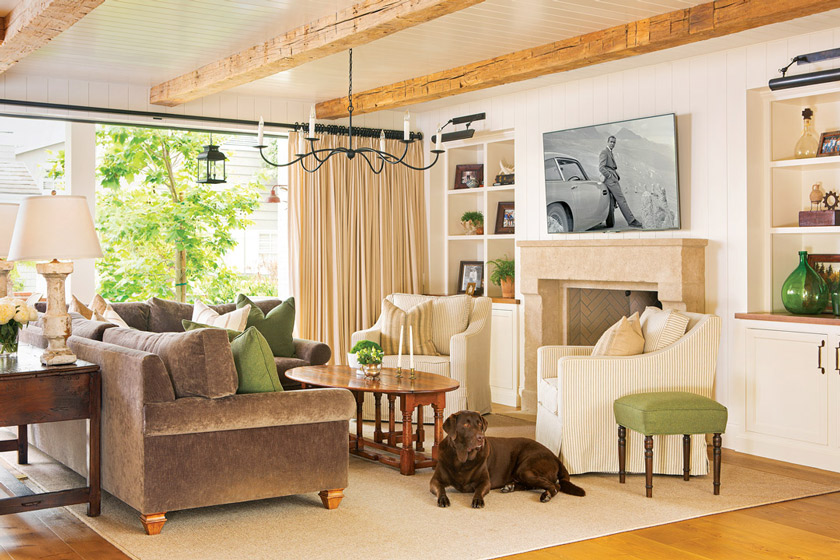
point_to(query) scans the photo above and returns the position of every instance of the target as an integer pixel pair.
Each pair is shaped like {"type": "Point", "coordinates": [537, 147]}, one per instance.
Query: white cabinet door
{"type": "Point", "coordinates": [787, 384]}
{"type": "Point", "coordinates": [504, 355]}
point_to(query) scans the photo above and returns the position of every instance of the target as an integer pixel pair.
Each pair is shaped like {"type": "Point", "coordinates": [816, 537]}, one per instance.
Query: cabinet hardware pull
{"type": "Point", "coordinates": [819, 357]}
{"type": "Point", "coordinates": [837, 358]}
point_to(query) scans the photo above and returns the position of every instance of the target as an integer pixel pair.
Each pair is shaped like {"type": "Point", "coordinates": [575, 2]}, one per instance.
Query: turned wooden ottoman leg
{"type": "Point", "coordinates": [649, 466]}
{"type": "Point", "coordinates": [153, 522]}
{"type": "Point", "coordinates": [331, 498]}
{"type": "Point", "coordinates": [622, 453]}
{"type": "Point", "coordinates": [686, 456]}
{"type": "Point", "coordinates": [716, 442]}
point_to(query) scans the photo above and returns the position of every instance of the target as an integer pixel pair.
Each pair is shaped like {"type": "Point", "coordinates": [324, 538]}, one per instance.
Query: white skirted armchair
{"type": "Point", "coordinates": [575, 393]}
{"type": "Point", "coordinates": [464, 356]}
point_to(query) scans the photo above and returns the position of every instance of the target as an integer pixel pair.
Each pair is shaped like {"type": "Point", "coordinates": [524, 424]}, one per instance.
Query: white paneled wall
{"type": "Point", "coordinates": [708, 95]}
{"type": "Point", "coordinates": [136, 98]}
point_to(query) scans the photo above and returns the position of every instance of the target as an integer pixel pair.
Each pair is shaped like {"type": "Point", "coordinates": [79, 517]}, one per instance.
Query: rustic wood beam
{"type": "Point", "coordinates": [359, 24]}
{"type": "Point", "coordinates": [33, 23]}
{"type": "Point", "coordinates": [705, 21]}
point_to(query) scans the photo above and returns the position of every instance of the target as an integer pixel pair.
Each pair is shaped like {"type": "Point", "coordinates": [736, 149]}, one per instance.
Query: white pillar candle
{"type": "Point", "coordinates": [312, 122]}
{"type": "Point", "coordinates": [399, 359]}
{"type": "Point", "coordinates": [411, 346]}
{"type": "Point", "coordinates": [437, 139]}
{"type": "Point", "coordinates": [260, 132]}
{"type": "Point", "coordinates": [301, 143]}
{"type": "Point", "coordinates": [407, 127]}
{"type": "Point", "coordinates": [382, 144]}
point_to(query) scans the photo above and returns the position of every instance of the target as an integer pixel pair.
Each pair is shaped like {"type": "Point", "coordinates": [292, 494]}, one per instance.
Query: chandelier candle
{"type": "Point", "coordinates": [407, 127]}
{"type": "Point", "coordinates": [312, 122]}
{"type": "Point", "coordinates": [260, 131]}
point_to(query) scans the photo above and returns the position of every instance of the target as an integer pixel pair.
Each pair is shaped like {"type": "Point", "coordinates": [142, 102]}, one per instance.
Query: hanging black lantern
{"type": "Point", "coordinates": [211, 165]}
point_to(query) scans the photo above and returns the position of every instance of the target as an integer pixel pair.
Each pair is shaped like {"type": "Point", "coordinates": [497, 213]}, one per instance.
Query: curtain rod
{"type": "Point", "coordinates": [322, 128]}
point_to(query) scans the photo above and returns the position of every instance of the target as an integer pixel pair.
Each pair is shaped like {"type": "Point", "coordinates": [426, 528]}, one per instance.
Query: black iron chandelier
{"type": "Point", "coordinates": [311, 160]}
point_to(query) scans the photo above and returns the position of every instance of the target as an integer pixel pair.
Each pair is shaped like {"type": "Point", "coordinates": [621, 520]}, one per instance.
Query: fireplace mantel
{"type": "Point", "coordinates": [673, 267]}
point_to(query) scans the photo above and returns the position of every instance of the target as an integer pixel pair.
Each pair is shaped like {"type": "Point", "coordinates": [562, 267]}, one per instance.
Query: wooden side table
{"type": "Point", "coordinates": [31, 393]}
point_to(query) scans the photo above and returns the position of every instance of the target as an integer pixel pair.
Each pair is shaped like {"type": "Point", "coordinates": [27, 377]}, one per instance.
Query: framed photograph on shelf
{"type": "Point", "coordinates": [829, 144]}
{"type": "Point", "coordinates": [469, 176]}
{"type": "Point", "coordinates": [471, 272]}
{"type": "Point", "coordinates": [471, 289]}
{"type": "Point", "coordinates": [827, 266]}
{"type": "Point", "coordinates": [505, 218]}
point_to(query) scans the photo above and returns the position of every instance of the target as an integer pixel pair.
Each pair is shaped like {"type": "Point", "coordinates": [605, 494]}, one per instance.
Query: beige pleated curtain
{"type": "Point", "coordinates": [354, 237]}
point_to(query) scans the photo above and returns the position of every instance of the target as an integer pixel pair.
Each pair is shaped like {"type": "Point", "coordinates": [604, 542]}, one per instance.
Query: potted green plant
{"type": "Point", "coordinates": [473, 222]}
{"type": "Point", "coordinates": [503, 275]}
{"type": "Point", "coordinates": [371, 360]}
{"type": "Point", "coordinates": [352, 359]}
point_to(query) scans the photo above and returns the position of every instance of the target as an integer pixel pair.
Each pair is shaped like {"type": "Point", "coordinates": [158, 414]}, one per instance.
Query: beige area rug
{"type": "Point", "coordinates": [386, 515]}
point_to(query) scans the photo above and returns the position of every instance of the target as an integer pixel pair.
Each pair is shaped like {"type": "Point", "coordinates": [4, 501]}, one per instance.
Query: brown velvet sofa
{"type": "Point", "coordinates": [162, 453]}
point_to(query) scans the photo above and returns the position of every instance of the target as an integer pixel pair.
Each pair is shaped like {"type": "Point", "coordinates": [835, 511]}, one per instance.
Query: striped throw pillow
{"type": "Point", "coordinates": [662, 328]}
{"type": "Point", "coordinates": [236, 320]}
{"type": "Point", "coordinates": [419, 318]}
{"type": "Point", "coordinates": [450, 316]}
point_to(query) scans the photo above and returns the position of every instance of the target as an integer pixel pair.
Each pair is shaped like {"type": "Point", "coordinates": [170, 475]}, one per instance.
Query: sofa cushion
{"type": "Point", "coordinates": [93, 330]}
{"type": "Point", "coordinates": [265, 305]}
{"type": "Point", "coordinates": [624, 338]}
{"type": "Point", "coordinates": [235, 320]}
{"type": "Point", "coordinates": [166, 315]}
{"type": "Point", "coordinates": [417, 323]}
{"type": "Point", "coordinates": [276, 326]}
{"type": "Point", "coordinates": [199, 362]}
{"type": "Point", "coordinates": [285, 364]}
{"type": "Point", "coordinates": [662, 328]}
{"type": "Point", "coordinates": [135, 313]}
{"type": "Point", "coordinates": [254, 363]}
{"type": "Point", "coordinates": [450, 316]}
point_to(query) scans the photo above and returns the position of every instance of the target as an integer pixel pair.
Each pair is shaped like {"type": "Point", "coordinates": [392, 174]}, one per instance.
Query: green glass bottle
{"type": "Point", "coordinates": [804, 291]}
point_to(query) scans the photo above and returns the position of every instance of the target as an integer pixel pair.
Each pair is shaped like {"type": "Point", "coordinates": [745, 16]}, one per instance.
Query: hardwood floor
{"type": "Point", "coordinates": [806, 528]}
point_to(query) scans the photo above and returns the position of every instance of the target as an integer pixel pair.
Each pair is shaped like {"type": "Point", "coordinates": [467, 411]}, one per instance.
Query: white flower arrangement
{"type": "Point", "coordinates": [14, 314]}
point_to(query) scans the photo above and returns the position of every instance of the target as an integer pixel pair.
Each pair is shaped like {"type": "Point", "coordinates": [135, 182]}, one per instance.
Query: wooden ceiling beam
{"type": "Point", "coordinates": [680, 27]}
{"type": "Point", "coordinates": [357, 25]}
{"type": "Point", "coordinates": [33, 23]}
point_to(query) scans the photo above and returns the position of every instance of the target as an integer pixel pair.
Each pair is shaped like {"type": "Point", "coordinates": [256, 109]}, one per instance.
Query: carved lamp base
{"type": "Point", "coordinates": [5, 285]}
{"type": "Point", "coordinates": [57, 324]}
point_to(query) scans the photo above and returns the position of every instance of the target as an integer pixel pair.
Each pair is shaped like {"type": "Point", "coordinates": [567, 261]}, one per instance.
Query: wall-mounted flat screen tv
{"type": "Point", "coordinates": [616, 176]}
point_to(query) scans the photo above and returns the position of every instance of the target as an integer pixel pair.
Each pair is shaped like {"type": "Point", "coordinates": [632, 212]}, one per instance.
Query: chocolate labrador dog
{"type": "Point", "coordinates": [471, 462]}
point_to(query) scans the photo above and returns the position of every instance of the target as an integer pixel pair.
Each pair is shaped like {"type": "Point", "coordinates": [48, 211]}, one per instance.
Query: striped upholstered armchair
{"type": "Point", "coordinates": [575, 393]}
{"type": "Point", "coordinates": [463, 356]}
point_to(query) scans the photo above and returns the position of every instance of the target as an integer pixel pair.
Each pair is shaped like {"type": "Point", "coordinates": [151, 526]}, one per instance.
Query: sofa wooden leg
{"type": "Point", "coordinates": [153, 522]}
{"type": "Point", "coordinates": [686, 456]}
{"type": "Point", "coordinates": [331, 498]}
{"type": "Point", "coordinates": [716, 443]}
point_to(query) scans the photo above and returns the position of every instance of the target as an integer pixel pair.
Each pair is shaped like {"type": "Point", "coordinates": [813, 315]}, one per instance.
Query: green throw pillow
{"type": "Point", "coordinates": [276, 326]}
{"type": "Point", "coordinates": [192, 325]}
{"type": "Point", "coordinates": [252, 357]}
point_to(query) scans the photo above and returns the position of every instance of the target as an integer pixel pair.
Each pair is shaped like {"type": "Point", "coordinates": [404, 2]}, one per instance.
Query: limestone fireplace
{"type": "Point", "coordinates": [673, 268]}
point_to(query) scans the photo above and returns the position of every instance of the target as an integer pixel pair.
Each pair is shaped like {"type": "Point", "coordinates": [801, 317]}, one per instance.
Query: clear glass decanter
{"type": "Point", "coordinates": [808, 143]}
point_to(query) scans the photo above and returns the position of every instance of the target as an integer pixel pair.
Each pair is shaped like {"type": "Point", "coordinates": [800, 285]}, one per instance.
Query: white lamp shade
{"type": "Point", "coordinates": [8, 212]}
{"type": "Point", "coordinates": [54, 227]}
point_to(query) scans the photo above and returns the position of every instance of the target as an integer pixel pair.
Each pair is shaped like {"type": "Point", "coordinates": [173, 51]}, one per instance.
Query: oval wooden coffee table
{"type": "Point", "coordinates": [425, 389]}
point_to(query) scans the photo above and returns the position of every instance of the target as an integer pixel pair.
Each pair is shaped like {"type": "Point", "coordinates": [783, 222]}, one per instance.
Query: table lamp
{"type": "Point", "coordinates": [49, 228]}
{"type": "Point", "coordinates": [7, 225]}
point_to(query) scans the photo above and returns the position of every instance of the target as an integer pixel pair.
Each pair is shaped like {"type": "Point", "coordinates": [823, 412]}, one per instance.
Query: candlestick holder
{"type": "Point", "coordinates": [399, 372]}
{"type": "Point", "coordinates": [411, 374]}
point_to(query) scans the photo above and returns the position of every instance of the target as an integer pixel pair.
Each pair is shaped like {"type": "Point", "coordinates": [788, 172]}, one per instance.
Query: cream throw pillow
{"type": "Point", "coordinates": [419, 317]}
{"type": "Point", "coordinates": [236, 320]}
{"type": "Point", "coordinates": [103, 312]}
{"type": "Point", "coordinates": [450, 316]}
{"type": "Point", "coordinates": [662, 328]}
{"type": "Point", "coordinates": [77, 306]}
{"type": "Point", "coordinates": [622, 339]}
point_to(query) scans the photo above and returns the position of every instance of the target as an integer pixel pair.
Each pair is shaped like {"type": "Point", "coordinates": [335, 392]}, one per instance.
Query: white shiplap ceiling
{"type": "Point", "coordinates": [145, 42]}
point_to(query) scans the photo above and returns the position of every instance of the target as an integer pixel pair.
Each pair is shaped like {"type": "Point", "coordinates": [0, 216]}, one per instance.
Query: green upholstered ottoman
{"type": "Point", "coordinates": [667, 413]}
